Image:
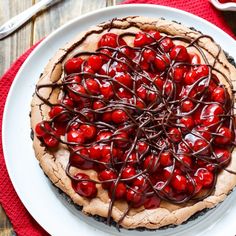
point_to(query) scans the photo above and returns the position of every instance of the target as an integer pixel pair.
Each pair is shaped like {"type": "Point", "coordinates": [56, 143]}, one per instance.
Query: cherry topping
{"type": "Point", "coordinates": [134, 195]}
{"type": "Point", "coordinates": [223, 136]}
{"type": "Point", "coordinates": [84, 186]}
{"type": "Point", "coordinates": [187, 105]}
{"type": "Point", "coordinates": [179, 53]}
{"type": "Point", "coordinates": [219, 95]}
{"type": "Point", "coordinates": [151, 163]}
{"type": "Point", "coordinates": [174, 134]}
{"type": "Point", "coordinates": [149, 55]}
{"type": "Point", "coordinates": [179, 182]}
{"type": "Point", "coordinates": [205, 176]}
{"type": "Point", "coordinates": [152, 202]}
{"type": "Point", "coordinates": [120, 190]}
{"type": "Point", "coordinates": [75, 136]}
{"type": "Point", "coordinates": [89, 131]}
{"type": "Point", "coordinates": [124, 79]}
{"type": "Point", "coordinates": [95, 62]}
{"type": "Point", "coordinates": [128, 172]}
{"type": "Point", "coordinates": [73, 65]}
{"type": "Point", "coordinates": [93, 86]}
{"type": "Point", "coordinates": [50, 141]}
{"type": "Point", "coordinates": [107, 174]}
{"type": "Point", "coordinates": [166, 159]}
{"type": "Point", "coordinates": [42, 128]}
{"type": "Point", "coordinates": [110, 40]}
{"type": "Point", "coordinates": [166, 44]}
{"type": "Point", "coordinates": [142, 39]}
{"type": "Point", "coordinates": [223, 155]}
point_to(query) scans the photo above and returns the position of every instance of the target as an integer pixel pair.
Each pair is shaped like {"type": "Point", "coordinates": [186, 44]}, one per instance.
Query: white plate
{"type": "Point", "coordinates": [49, 209]}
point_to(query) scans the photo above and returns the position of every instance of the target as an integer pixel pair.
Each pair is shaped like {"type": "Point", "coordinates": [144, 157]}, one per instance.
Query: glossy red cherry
{"type": "Point", "coordinates": [151, 163]}
{"type": "Point", "coordinates": [76, 91]}
{"type": "Point", "coordinates": [41, 128]}
{"type": "Point", "coordinates": [140, 182]}
{"type": "Point", "coordinates": [212, 109]}
{"type": "Point", "coordinates": [121, 139]}
{"type": "Point", "coordinates": [205, 176]}
{"type": "Point", "coordinates": [161, 63]}
{"type": "Point", "coordinates": [84, 186]}
{"type": "Point", "coordinates": [179, 182]}
{"type": "Point", "coordinates": [142, 147]}
{"type": "Point", "coordinates": [105, 175]}
{"type": "Point", "coordinates": [141, 92]}
{"type": "Point", "coordinates": [152, 202]}
{"type": "Point", "coordinates": [202, 71]}
{"type": "Point", "coordinates": [134, 195]}
{"type": "Point", "coordinates": [98, 105]}
{"type": "Point", "coordinates": [168, 88]}
{"type": "Point", "coordinates": [108, 151]}
{"type": "Point", "coordinates": [124, 79]}
{"type": "Point", "coordinates": [110, 40]}
{"type": "Point", "coordinates": [56, 111]}
{"type": "Point", "coordinates": [194, 187]}
{"type": "Point", "coordinates": [190, 78]}
{"type": "Point", "coordinates": [95, 152]}
{"type": "Point", "coordinates": [128, 172]}
{"type": "Point", "coordinates": [149, 55]}
{"type": "Point", "coordinates": [187, 106]}
{"type": "Point", "coordinates": [92, 86]}
{"type": "Point", "coordinates": [77, 159]}
{"type": "Point", "coordinates": [107, 90]}
{"type": "Point", "coordinates": [166, 159]}
{"type": "Point", "coordinates": [174, 134]}
{"type": "Point", "coordinates": [68, 102]}
{"type": "Point", "coordinates": [223, 136]}
{"type": "Point", "coordinates": [89, 131]}
{"type": "Point", "coordinates": [204, 132]}
{"type": "Point", "coordinates": [75, 136]}
{"type": "Point", "coordinates": [73, 65]}
{"type": "Point", "coordinates": [179, 53]}
{"type": "Point", "coordinates": [155, 34]}
{"type": "Point", "coordinates": [159, 83]}
{"type": "Point", "coordinates": [142, 39]}
{"type": "Point", "coordinates": [185, 160]}
{"type": "Point", "coordinates": [95, 62]}
{"type": "Point", "coordinates": [123, 93]}
{"type": "Point", "coordinates": [119, 116]}
{"type": "Point", "coordinates": [201, 144]}
{"type": "Point", "coordinates": [178, 74]}
{"type": "Point", "coordinates": [219, 94]}
{"type": "Point", "coordinates": [187, 122]}
{"type": "Point", "coordinates": [194, 58]}
{"type": "Point", "coordinates": [166, 44]}
{"type": "Point", "coordinates": [104, 135]}
{"type": "Point", "coordinates": [50, 141]}
{"type": "Point", "coordinates": [120, 190]}
{"type": "Point", "coordinates": [223, 155]}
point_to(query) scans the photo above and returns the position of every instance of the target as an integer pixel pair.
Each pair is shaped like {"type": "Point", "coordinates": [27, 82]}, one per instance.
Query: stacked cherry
{"type": "Point", "coordinates": [151, 119]}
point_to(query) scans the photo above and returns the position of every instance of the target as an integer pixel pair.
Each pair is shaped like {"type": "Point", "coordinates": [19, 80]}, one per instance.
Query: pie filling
{"type": "Point", "coordinates": [151, 118]}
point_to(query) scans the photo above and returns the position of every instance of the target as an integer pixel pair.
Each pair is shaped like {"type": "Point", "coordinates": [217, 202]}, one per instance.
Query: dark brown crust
{"type": "Point", "coordinates": [54, 164]}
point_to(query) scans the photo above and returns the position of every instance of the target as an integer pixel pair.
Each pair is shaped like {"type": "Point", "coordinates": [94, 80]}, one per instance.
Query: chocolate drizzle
{"type": "Point", "coordinates": [148, 123]}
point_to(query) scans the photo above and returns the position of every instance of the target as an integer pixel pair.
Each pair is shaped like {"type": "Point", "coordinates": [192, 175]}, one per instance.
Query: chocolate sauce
{"type": "Point", "coordinates": [149, 124]}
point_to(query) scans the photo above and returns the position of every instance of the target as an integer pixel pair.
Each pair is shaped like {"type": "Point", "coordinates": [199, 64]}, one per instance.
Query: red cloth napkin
{"type": "Point", "coordinates": [22, 221]}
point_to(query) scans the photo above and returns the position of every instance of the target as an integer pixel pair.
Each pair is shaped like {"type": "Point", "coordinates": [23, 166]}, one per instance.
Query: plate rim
{"type": "Point", "coordinates": [41, 46]}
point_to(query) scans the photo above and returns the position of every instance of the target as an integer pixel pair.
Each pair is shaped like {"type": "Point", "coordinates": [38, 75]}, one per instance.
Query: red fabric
{"type": "Point", "coordinates": [202, 8]}
{"type": "Point", "coordinates": [22, 221]}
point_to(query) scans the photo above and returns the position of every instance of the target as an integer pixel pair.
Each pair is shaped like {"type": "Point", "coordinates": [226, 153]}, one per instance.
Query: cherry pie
{"type": "Point", "coordinates": [134, 121]}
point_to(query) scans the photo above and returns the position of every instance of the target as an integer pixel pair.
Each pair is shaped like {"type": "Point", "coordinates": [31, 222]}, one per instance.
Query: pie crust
{"type": "Point", "coordinates": [54, 162]}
